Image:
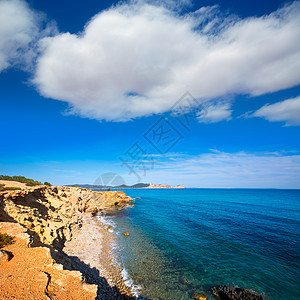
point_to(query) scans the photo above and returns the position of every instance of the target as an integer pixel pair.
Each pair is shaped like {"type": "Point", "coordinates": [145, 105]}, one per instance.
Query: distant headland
{"type": "Point", "coordinates": [135, 186]}
{"type": "Point", "coordinates": [165, 186]}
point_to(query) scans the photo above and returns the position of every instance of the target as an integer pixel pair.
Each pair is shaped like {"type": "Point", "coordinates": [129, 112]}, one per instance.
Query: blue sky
{"type": "Point", "coordinates": [81, 86]}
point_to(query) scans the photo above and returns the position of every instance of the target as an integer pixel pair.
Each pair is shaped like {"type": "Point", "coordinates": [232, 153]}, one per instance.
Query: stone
{"type": "Point", "coordinates": [200, 296]}
{"type": "Point", "coordinates": [225, 292]}
{"type": "Point", "coordinates": [126, 233]}
{"type": "Point", "coordinates": [184, 281]}
{"type": "Point", "coordinates": [5, 256]}
{"type": "Point", "coordinates": [110, 227]}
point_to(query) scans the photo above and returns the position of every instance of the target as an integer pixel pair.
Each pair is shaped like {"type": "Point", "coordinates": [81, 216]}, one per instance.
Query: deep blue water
{"type": "Point", "coordinates": [242, 237]}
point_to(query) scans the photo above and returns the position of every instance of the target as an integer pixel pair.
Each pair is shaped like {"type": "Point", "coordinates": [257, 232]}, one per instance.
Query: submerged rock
{"type": "Point", "coordinates": [200, 296]}
{"type": "Point", "coordinates": [126, 233]}
{"type": "Point", "coordinates": [225, 292]}
{"type": "Point", "coordinates": [184, 281]}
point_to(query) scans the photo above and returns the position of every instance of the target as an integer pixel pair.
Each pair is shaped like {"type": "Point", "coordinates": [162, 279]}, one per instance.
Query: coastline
{"type": "Point", "coordinates": [63, 222]}
{"type": "Point", "coordinates": [91, 252]}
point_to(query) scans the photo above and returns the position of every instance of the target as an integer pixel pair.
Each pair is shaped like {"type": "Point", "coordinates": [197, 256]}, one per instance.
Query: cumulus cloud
{"type": "Point", "coordinates": [138, 59]}
{"type": "Point", "coordinates": [20, 29]}
{"type": "Point", "coordinates": [287, 111]}
{"type": "Point", "coordinates": [235, 170]}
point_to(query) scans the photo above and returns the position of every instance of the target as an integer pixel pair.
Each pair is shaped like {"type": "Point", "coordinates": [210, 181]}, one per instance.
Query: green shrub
{"type": "Point", "coordinates": [47, 183]}
{"type": "Point", "coordinates": [12, 188]}
{"type": "Point", "coordinates": [9, 188]}
{"type": "Point", "coordinates": [5, 239]}
{"type": "Point", "coordinates": [22, 179]}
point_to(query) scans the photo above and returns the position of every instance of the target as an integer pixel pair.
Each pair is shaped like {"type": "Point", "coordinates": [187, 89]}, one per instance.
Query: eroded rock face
{"type": "Point", "coordinates": [53, 213]}
{"type": "Point", "coordinates": [33, 274]}
{"type": "Point", "coordinates": [225, 292]}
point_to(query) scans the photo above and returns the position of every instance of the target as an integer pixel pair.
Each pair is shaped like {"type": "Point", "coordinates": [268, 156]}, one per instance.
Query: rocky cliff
{"type": "Point", "coordinates": [46, 218]}
{"type": "Point", "coordinates": [31, 273]}
{"type": "Point", "coordinates": [53, 213]}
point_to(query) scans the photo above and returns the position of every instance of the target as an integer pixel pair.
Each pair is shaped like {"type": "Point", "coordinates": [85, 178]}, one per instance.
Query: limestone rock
{"type": "Point", "coordinates": [225, 292]}
{"type": "Point", "coordinates": [200, 296]}
{"type": "Point", "coordinates": [5, 256]}
{"type": "Point", "coordinates": [51, 215]}
{"type": "Point", "coordinates": [33, 274]}
{"type": "Point", "coordinates": [54, 212]}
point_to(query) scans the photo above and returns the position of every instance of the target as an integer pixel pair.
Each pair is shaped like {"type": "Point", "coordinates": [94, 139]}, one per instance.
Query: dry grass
{"type": "Point", "coordinates": [8, 183]}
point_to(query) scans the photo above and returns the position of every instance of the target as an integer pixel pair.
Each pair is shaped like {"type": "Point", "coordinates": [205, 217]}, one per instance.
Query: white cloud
{"type": "Point", "coordinates": [136, 60]}
{"type": "Point", "coordinates": [230, 170]}
{"type": "Point", "coordinates": [215, 112]}
{"type": "Point", "coordinates": [285, 111]}
{"type": "Point", "coordinates": [20, 29]}
{"type": "Point", "coordinates": [171, 4]}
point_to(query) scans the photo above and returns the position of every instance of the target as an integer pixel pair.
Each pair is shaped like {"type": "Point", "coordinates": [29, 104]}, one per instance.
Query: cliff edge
{"type": "Point", "coordinates": [32, 273]}
{"type": "Point", "coordinates": [53, 213]}
{"type": "Point", "coordinates": [47, 217]}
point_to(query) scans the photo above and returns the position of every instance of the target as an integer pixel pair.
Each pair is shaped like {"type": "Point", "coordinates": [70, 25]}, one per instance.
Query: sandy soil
{"type": "Point", "coordinates": [32, 274]}
{"type": "Point", "coordinates": [90, 252]}
{"type": "Point", "coordinates": [8, 183]}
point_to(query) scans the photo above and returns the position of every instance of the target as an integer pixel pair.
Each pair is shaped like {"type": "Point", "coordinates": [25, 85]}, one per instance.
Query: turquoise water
{"type": "Point", "coordinates": [243, 237]}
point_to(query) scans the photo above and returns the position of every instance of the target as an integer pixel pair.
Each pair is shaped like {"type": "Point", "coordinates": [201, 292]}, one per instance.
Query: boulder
{"type": "Point", "coordinates": [225, 292]}
{"type": "Point", "coordinates": [126, 233]}
{"type": "Point", "coordinates": [5, 256]}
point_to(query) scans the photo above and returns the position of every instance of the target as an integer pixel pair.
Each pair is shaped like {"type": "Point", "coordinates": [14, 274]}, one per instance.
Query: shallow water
{"type": "Point", "coordinates": [243, 237]}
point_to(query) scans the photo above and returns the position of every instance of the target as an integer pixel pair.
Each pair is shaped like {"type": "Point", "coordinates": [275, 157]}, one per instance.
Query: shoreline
{"type": "Point", "coordinates": [63, 221]}
{"type": "Point", "coordinates": [91, 252]}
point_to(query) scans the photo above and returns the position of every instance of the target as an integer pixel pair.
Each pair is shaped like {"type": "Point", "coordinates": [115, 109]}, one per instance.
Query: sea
{"type": "Point", "coordinates": [185, 241]}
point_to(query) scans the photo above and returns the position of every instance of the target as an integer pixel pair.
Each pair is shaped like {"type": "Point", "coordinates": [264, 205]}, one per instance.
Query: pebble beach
{"type": "Point", "coordinates": [90, 251]}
